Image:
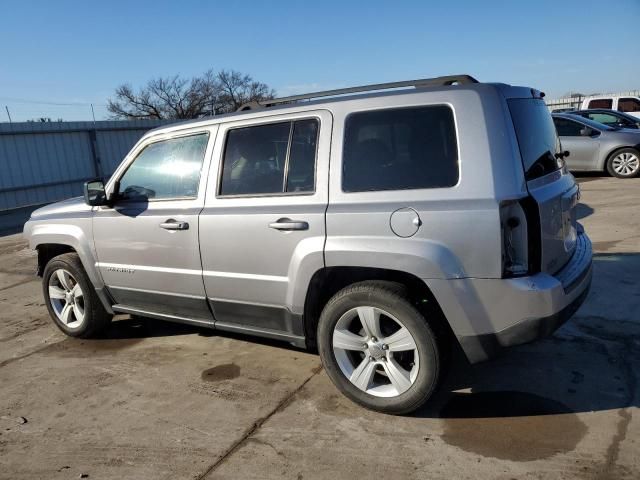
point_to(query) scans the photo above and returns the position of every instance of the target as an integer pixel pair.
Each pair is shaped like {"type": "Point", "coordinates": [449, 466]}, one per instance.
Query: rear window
{"type": "Point", "coordinates": [400, 149]}
{"type": "Point", "coordinates": [536, 134]}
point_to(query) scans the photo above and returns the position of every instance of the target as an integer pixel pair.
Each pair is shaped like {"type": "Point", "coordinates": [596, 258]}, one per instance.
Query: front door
{"type": "Point", "coordinates": [264, 220]}
{"type": "Point", "coordinates": [147, 244]}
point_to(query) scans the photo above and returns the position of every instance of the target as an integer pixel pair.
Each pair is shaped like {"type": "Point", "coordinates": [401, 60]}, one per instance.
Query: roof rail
{"type": "Point", "coordinates": [423, 82]}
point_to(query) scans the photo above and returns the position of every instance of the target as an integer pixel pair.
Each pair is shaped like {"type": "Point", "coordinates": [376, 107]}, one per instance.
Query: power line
{"type": "Point", "coordinates": [42, 102]}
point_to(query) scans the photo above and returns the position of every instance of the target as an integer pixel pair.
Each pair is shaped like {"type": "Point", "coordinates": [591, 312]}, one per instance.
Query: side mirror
{"type": "Point", "coordinates": [586, 132]}
{"type": "Point", "coordinates": [94, 193]}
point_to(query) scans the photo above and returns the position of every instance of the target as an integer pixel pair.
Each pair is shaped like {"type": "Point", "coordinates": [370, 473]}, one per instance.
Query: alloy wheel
{"type": "Point", "coordinates": [626, 163]}
{"type": "Point", "coordinates": [67, 298]}
{"type": "Point", "coordinates": [375, 351]}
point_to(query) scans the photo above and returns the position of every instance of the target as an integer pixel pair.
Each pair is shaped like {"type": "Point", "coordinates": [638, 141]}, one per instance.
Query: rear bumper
{"type": "Point", "coordinates": [487, 315]}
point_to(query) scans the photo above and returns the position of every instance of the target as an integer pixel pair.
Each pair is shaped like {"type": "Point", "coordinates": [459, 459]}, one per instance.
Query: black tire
{"type": "Point", "coordinates": [610, 163]}
{"type": "Point", "coordinates": [392, 299]}
{"type": "Point", "coordinates": [96, 318]}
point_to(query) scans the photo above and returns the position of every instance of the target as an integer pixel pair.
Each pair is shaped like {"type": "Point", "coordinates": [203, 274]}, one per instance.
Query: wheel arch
{"type": "Point", "coordinates": [51, 240]}
{"type": "Point", "coordinates": [327, 281]}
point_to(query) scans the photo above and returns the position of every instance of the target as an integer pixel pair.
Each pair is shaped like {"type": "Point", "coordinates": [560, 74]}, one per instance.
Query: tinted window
{"type": "Point", "coordinates": [255, 159]}
{"type": "Point", "coordinates": [536, 136]}
{"type": "Point", "coordinates": [568, 128]}
{"type": "Point", "coordinates": [302, 157]}
{"type": "Point", "coordinates": [629, 105]}
{"type": "Point", "coordinates": [166, 169]}
{"type": "Point", "coordinates": [400, 149]}
{"type": "Point", "coordinates": [601, 103]}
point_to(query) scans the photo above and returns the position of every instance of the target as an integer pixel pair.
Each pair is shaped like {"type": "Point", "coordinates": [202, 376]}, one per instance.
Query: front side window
{"type": "Point", "coordinates": [605, 103]}
{"type": "Point", "coordinates": [274, 158]}
{"type": "Point", "coordinates": [567, 128]}
{"type": "Point", "coordinates": [166, 169]}
{"type": "Point", "coordinates": [400, 149]}
{"type": "Point", "coordinates": [629, 105]}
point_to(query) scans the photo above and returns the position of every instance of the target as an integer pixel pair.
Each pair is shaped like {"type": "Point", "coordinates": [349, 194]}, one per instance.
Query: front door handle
{"type": "Point", "coordinates": [287, 224]}
{"type": "Point", "coordinates": [172, 224]}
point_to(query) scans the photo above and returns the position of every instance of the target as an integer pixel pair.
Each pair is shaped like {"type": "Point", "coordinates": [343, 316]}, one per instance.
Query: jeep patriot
{"type": "Point", "coordinates": [376, 224]}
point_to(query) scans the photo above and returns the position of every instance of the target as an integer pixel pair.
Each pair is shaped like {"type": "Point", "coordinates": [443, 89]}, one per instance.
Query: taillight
{"type": "Point", "coordinates": [515, 239]}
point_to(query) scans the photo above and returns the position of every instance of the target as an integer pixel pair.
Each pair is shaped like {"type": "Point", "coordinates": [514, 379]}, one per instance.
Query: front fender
{"type": "Point", "coordinates": [77, 236]}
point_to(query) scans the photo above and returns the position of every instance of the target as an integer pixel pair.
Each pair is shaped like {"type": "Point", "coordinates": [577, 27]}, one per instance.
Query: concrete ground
{"type": "Point", "coordinates": [160, 401]}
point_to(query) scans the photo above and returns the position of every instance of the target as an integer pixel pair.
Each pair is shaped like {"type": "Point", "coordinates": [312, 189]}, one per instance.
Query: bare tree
{"type": "Point", "coordinates": [237, 89]}
{"type": "Point", "coordinates": [181, 98]}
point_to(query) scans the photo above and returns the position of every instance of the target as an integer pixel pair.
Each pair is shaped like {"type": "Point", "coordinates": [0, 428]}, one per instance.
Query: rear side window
{"type": "Point", "coordinates": [601, 103]}
{"type": "Point", "coordinates": [270, 159]}
{"type": "Point", "coordinates": [629, 105]}
{"type": "Point", "coordinates": [400, 149]}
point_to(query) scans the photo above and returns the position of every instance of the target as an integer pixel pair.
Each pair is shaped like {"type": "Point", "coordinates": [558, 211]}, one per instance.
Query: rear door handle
{"type": "Point", "coordinates": [287, 224]}
{"type": "Point", "coordinates": [172, 224]}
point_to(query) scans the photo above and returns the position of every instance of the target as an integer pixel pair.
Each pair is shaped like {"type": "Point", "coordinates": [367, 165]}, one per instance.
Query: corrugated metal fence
{"type": "Point", "coordinates": [44, 162]}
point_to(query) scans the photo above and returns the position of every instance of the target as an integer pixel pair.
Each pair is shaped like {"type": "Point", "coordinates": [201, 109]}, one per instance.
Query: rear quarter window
{"type": "Point", "coordinates": [536, 135]}
{"type": "Point", "coordinates": [400, 149]}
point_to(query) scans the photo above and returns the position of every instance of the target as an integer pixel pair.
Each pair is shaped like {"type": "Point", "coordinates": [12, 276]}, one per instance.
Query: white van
{"type": "Point", "coordinates": [623, 103]}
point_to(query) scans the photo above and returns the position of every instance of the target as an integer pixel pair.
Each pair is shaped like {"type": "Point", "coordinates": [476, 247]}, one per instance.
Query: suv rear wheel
{"type": "Point", "coordinates": [624, 163]}
{"type": "Point", "coordinates": [70, 298]}
{"type": "Point", "coordinates": [378, 349]}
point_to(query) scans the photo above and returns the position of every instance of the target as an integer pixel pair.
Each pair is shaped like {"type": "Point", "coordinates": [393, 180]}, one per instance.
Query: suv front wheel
{"type": "Point", "coordinates": [70, 298]}
{"type": "Point", "coordinates": [378, 349]}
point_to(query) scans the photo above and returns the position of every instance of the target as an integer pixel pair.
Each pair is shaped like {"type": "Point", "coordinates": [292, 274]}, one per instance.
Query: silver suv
{"type": "Point", "coordinates": [380, 226]}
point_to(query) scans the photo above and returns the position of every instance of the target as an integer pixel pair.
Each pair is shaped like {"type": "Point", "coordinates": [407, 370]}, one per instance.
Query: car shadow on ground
{"type": "Point", "coordinates": [588, 365]}
{"type": "Point", "coordinates": [125, 327]}
{"type": "Point", "coordinates": [583, 177]}
{"type": "Point", "coordinates": [583, 211]}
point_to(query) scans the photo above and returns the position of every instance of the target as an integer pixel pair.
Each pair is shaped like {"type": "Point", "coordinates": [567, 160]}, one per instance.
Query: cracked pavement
{"type": "Point", "coordinates": [163, 401]}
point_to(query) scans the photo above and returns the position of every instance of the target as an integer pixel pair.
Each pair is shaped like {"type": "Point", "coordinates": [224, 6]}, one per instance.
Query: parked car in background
{"type": "Point", "coordinates": [622, 103]}
{"type": "Point", "coordinates": [611, 118]}
{"type": "Point", "coordinates": [381, 227]}
{"type": "Point", "coordinates": [597, 147]}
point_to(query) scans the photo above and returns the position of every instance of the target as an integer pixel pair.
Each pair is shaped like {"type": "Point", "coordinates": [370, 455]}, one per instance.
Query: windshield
{"type": "Point", "coordinates": [536, 135]}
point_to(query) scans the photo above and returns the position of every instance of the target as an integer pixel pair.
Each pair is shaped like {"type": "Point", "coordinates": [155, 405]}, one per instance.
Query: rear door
{"type": "Point", "coordinates": [552, 187]}
{"type": "Point", "coordinates": [264, 219]}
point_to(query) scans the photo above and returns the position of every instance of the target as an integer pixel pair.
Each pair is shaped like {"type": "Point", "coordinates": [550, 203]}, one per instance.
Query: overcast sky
{"type": "Point", "coordinates": [78, 52]}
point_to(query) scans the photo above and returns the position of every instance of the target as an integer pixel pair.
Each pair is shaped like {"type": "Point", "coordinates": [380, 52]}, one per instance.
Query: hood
{"type": "Point", "coordinates": [65, 208]}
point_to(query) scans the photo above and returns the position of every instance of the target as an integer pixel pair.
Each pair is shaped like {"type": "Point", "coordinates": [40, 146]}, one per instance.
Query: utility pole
{"type": "Point", "coordinates": [8, 114]}
{"type": "Point", "coordinates": [93, 114]}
